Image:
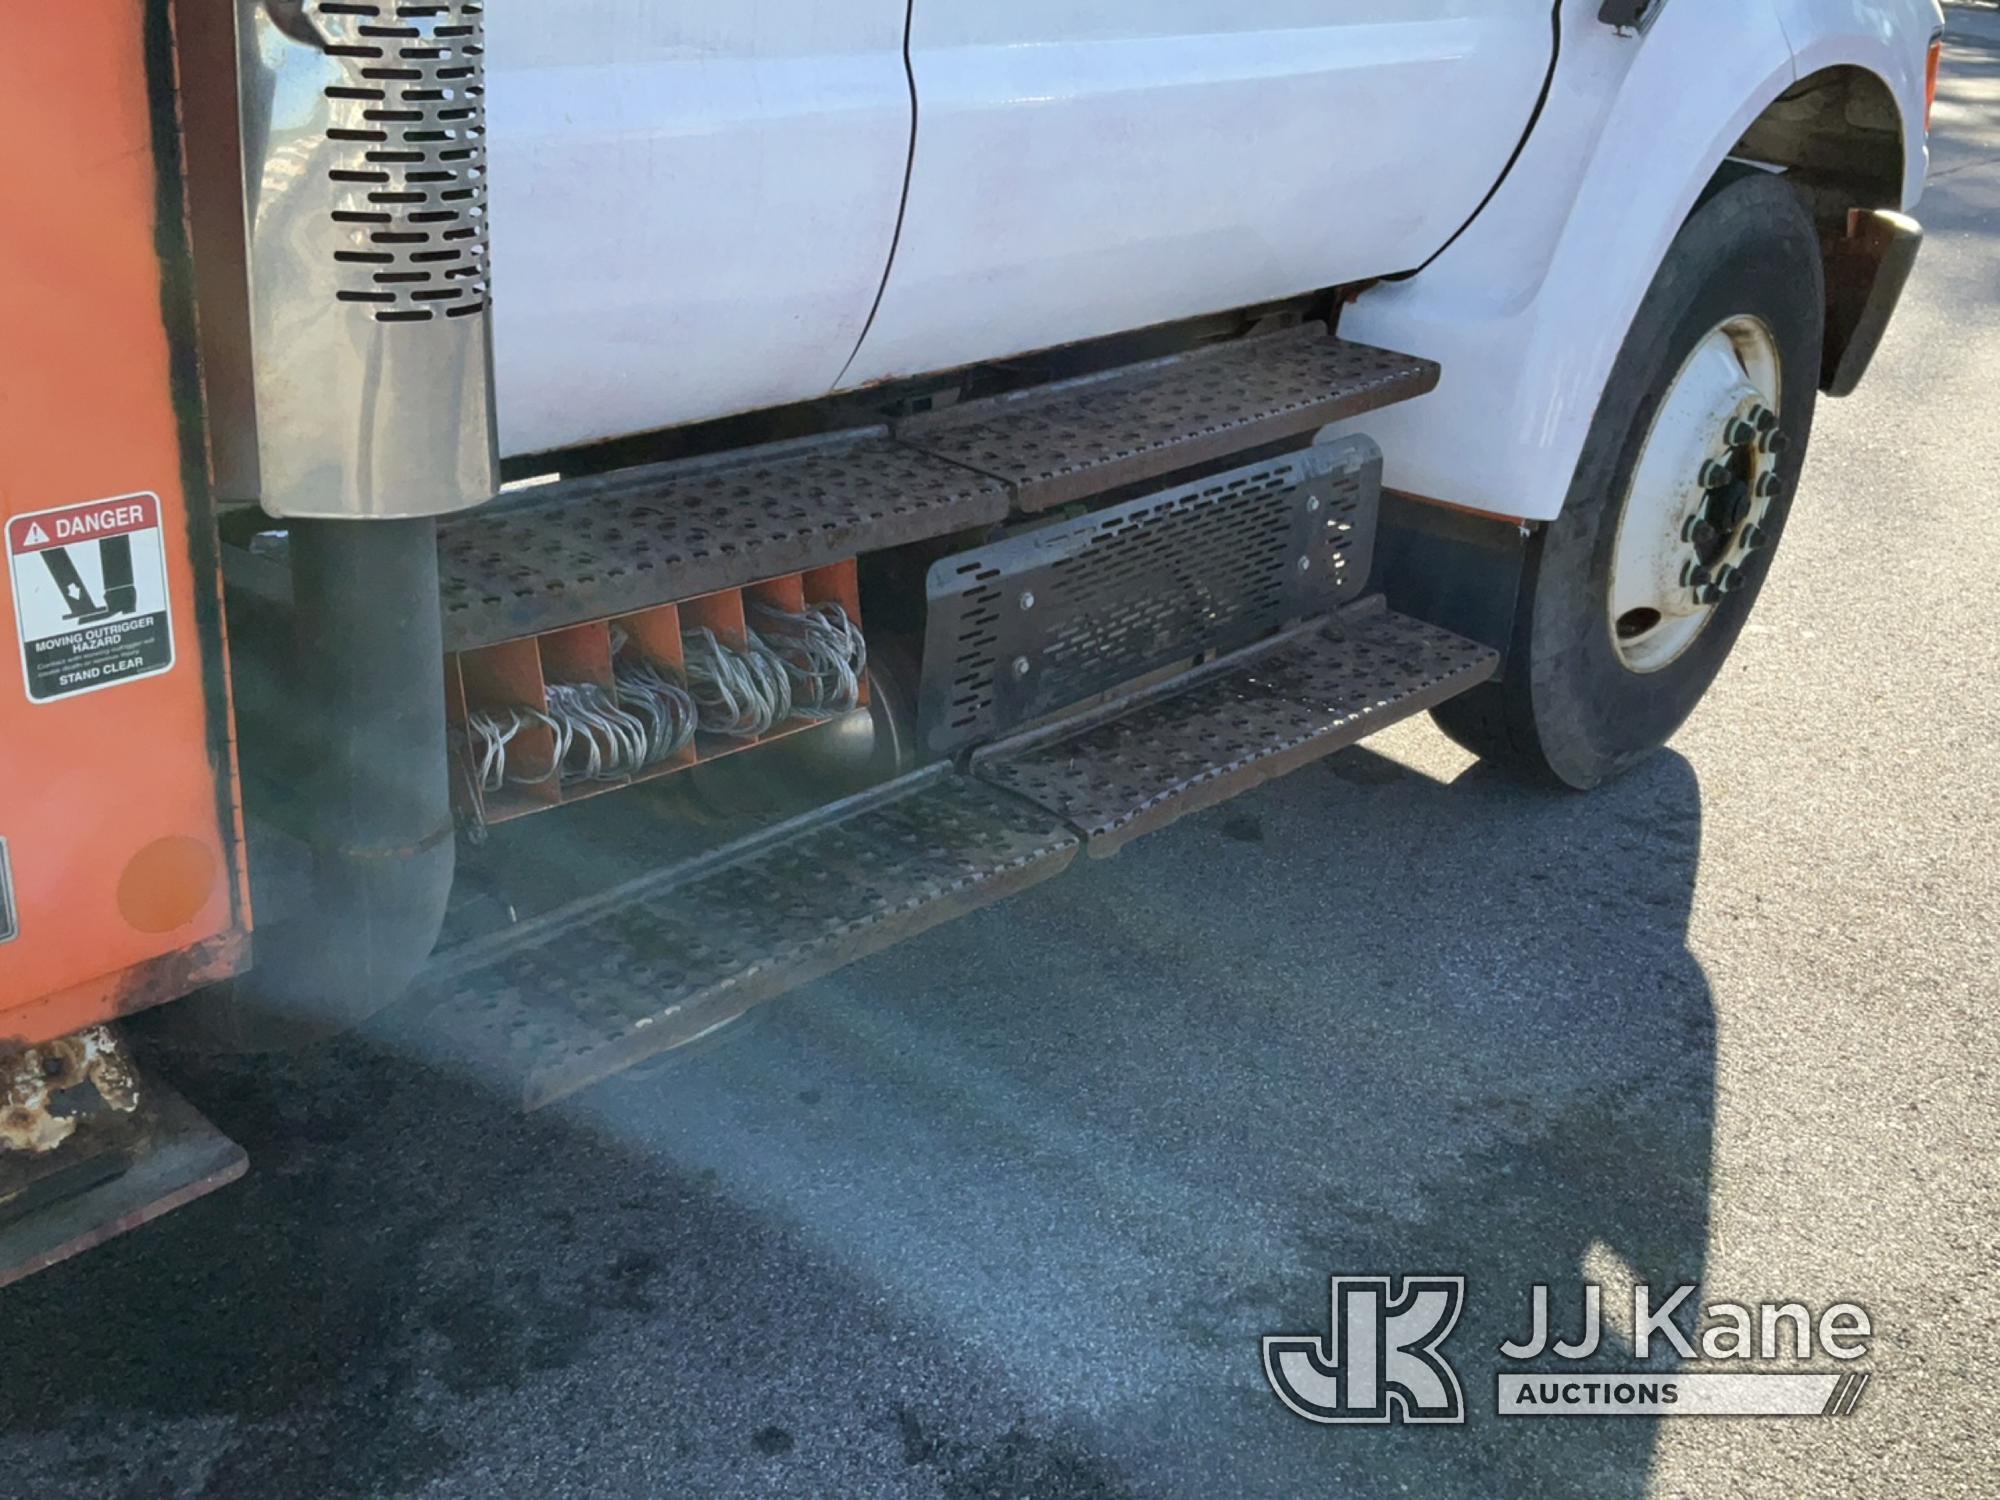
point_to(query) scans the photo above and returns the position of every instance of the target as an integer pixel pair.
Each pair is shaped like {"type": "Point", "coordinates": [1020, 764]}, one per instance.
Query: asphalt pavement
{"type": "Point", "coordinates": [1005, 1211]}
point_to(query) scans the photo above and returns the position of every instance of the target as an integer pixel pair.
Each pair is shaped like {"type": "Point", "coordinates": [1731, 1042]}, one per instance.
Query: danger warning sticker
{"type": "Point", "coordinates": [90, 595]}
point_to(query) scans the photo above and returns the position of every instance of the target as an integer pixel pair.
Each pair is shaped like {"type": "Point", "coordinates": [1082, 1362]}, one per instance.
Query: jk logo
{"type": "Point", "coordinates": [1382, 1362]}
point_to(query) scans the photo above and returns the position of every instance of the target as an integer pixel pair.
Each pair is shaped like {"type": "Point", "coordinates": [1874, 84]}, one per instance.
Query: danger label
{"type": "Point", "coordinates": [90, 595]}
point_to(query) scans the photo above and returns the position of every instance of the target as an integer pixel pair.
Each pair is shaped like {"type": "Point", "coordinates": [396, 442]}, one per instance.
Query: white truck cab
{"type": "Point", "coordinates": [699, 212]}
{"type": "Point", "coordinates": [705, 209]}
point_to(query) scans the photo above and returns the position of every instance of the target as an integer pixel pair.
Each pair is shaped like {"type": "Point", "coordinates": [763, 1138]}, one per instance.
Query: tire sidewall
{"type": "Point", "coordinates": [1750, 250]}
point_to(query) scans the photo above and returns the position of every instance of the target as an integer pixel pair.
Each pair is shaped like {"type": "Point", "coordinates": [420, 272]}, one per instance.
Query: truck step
{"type": "Point", "coordinates": [590, 548]}
{"type": "Point", "coordinates": [1058, 443]}
{"type": "Point", "coordinates": [622, 543]}
{"type": "Point", "coordinates": [1136, 766]}
{"type": "Point", "coordinates": [562, 1000]}
{"type": "Point", "coordinates": [566, 999]}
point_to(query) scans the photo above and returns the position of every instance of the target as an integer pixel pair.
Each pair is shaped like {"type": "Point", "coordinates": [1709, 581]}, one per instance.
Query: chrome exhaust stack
{"type": "Point", "coordinates": [336, 162]}
{"type": "Point", "coordinates": [337, 181]}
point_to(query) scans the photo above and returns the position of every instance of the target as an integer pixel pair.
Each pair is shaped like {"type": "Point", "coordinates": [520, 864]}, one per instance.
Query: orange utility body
{"type": "Point", "coordinates": [118, 806]}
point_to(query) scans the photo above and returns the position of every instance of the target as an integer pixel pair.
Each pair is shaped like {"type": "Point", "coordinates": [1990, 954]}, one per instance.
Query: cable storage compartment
{"type": "Point", "coordinates": [544, 720]}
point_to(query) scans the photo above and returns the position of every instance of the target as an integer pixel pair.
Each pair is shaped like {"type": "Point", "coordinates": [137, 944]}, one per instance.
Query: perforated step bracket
{"type": "Point", "coordinates": [1137, 764]}
{"type": "Point", "coordinates": [1049, 617]}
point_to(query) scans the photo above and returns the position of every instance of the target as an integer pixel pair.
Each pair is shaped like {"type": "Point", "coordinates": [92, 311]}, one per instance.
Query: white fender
{"type": "Point", "coordinates": [1526, 312]}
{"type": "Point", "coordinates": [1889, 38]}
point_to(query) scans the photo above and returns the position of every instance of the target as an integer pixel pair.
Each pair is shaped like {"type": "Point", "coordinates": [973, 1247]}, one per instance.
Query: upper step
{"type": "Point", "coordinates": [620, 543]}
{"type": "Point", "coordinates": [1057, 443]}
{"type": "Point", "coordinates": [615, 544]}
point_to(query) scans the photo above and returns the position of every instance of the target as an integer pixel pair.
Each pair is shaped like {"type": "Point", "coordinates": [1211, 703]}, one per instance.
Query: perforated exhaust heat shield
{"type": "Point", "coordinates": [1051, 617]}
{"type": "Point", "coordinates": [337, 163]}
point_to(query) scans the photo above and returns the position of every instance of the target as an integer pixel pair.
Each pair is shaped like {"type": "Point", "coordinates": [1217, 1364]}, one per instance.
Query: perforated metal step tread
{"type": "Point", "coordinates": [571, 998]}
{"type": "Point", "coordinates": [1058, 443]}
{"type": "Point", "coordinates": [587, 549]}
{"type": "Point", "coordinates": [1240, 722]}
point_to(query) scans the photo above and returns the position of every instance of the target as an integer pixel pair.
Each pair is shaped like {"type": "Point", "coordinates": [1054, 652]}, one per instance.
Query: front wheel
{"type": "Point", "coordinates": [1635, 595]}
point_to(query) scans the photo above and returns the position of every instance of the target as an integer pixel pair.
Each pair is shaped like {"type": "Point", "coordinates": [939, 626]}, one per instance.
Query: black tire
{"type": "Point", "coordinates": [1569, 711]}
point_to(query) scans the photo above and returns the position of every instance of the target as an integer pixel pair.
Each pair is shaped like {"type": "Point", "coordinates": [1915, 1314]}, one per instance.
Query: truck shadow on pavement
{"type": "Point", "coordinates": [1006, 1210]}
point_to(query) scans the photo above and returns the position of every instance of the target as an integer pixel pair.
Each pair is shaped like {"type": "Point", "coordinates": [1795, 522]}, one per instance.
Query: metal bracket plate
{"type": "Point", "coordinates": [1047, 618]}
{"type": "Point", "coordinates": [164, 1159]}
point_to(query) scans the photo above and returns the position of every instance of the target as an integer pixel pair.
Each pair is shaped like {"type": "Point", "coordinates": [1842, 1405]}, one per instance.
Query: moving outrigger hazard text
{"type": "Point", "coordinates": [90, 595]}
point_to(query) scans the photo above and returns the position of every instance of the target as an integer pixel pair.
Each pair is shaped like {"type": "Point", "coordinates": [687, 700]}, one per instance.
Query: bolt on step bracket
{"type": "Point", "coordinates": [1037, 622]}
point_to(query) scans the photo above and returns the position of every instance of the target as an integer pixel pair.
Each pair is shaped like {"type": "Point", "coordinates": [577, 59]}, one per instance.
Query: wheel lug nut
{"type": "Point", "coordinates": [1755, 538]}
{"type": "Point", "coordinates": [1694, 575]}
{"type": "Point", "coordinates": [1714, 475]}
{"type": "Point", "coordinates": [1731, 580]}
{"type": "Point", "coordinates": [1740, 434]}
{"type": "Point", "coordinates": [1708, 593]}
{"type": "Point", "coordinates": [1763, 418]}
{"type": "Point", "coordinates": [1769, 487]}
{"type": "Point", "coordinates": [1776, 443]}
{"type": "Point", "coordinates": [1698, 530]}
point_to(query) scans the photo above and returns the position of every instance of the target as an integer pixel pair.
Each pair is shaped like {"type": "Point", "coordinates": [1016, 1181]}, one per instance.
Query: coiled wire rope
{"type": "Point", "coordinates": [806, 664]}
{"type": "Point", "coordinates": [823, 653]}
{"type": "Point", "coordinates": [741, 694]}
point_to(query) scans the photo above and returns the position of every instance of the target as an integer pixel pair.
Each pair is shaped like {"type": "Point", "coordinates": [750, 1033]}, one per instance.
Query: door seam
{"type": "Point", "coordinates": [903, 204]}
{"type": "Point", "coordinates": [1520, 146]}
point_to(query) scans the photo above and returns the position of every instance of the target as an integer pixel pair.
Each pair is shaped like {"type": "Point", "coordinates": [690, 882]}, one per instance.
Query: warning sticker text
{"type": "Point", "coordinates": [90, 595]}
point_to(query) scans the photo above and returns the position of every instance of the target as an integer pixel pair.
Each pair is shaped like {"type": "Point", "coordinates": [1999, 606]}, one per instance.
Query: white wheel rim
{"type": "Point", "coordinates": [1686, 533]}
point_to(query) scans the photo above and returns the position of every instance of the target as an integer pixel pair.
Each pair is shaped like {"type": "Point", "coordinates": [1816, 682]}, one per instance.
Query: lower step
{"type": "Point", "coordinates": [564, 1000]}
{"type": "Point", "coordinates": [1218, 732]}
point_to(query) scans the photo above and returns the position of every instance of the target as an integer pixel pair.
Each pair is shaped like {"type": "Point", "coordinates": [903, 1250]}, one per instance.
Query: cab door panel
{"type": "Point", "coordinates": [692, 204]}
{"type": "Point", "coordinates": [1085, 169]}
